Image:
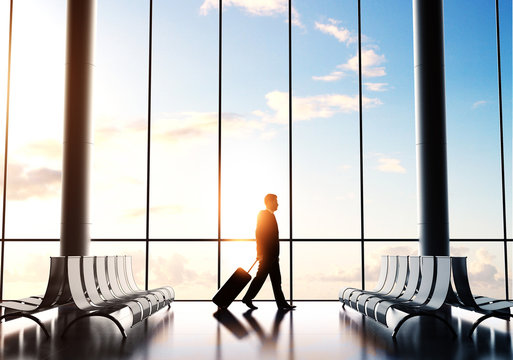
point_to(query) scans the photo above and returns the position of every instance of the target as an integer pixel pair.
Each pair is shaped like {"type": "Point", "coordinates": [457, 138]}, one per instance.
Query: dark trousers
{"type": "Point", "coordinates": [271, 268]}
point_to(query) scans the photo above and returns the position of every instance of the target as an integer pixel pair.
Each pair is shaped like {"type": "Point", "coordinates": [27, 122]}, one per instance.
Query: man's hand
{"type": "Point", "coordinates": [259, 258]}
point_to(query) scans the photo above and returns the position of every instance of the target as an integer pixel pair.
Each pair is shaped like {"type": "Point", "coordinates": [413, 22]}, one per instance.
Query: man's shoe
{"type": "Point", "coordinates": [249, 304]}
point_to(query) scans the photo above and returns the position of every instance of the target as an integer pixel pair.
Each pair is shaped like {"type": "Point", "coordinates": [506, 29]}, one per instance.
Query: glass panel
{"type": "Point", "coordinates": [321, 269]}
{"type": "Point", "coordinates": [255, 115]}
{"type": "Point", "coordinates": [325, 110]}
{"type": "Point", "coordinates": [4, 56]}
{"type": "Point", "coordinates": [137, 250]}
{"type": "Point", "coordinates": [510, 269]}
{"type": "Point", "coordinates": [121, 106]}
{"type": "Point", "coordinates": [184, 161]}
{"type": "Point", "coordinates": [473, 143]}
{"type": "Point", "coordinates": [189, 267]}
{"type": "Point", "coordinates": [36, 119]}
{"type": "Point", "coordinates": [374, 251]}
{"type": "Point", "coordinates": [242, 254]}
{"type": "Point", "coordinates": [485, 266]}
{"type": "Point", "coordinates": [389, 125]}
{"type": "Point", "coordinates": [505, 13]}
{"type": "Point", "coordinates": [26, 268]}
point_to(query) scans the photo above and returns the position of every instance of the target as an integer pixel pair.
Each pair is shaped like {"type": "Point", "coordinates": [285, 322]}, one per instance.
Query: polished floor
{"type": "Point", "coordinates": [315, 330]}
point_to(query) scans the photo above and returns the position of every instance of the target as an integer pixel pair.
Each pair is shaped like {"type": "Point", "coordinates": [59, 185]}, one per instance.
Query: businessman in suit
{"type": "Point", "coordinates": [268, 251]}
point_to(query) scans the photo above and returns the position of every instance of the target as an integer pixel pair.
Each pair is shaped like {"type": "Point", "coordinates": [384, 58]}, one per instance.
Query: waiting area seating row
{"type": "Point", "coordinates": [97, 286]}
{"type": "Point", "coordinates": [421, 286]}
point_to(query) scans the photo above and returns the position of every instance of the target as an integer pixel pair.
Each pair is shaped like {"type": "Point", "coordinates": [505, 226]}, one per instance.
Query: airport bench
{"type": "Point", "coordinates": [57, 293]}
{"type": "Point", "coordinates": [105, 286]}
{"type": "Point", "coordinates": [464, 298]}
{"type": "Point", "coordinates": [414, 285]}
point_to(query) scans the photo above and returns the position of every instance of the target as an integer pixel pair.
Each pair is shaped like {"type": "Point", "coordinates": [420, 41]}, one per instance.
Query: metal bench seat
{"type": "Point", "coordinates": [386, 289]}
{"type": "Point", "coordinates": [489, 307]}
{"type": "Point", "coordinates": [412, 297]}
{"type": "Point", "coordinates": [409, 291]}
{"type": "Point", "coordinates": [100, 288]}
{"type": "Point", "coordinates": [397, 289]}
{"type": "Point", "coordinates": [345, 293]}
{"type": "Point", "coordinates": [109, 284]}
{"type": "Point", "coordinates": [128, 285]}
{"type": "Point", "coordinates": [421, 305]}
{"type": "Point", "coordinates": [57, 293]}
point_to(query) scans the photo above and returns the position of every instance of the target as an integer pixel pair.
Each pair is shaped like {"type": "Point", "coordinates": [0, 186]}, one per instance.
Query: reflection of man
{"type": "Point", "coordinates": [268, 250]}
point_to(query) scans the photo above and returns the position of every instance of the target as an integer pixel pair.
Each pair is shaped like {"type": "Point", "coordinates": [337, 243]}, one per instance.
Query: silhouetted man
{"type": "Point", "coordinates": [268, 251]}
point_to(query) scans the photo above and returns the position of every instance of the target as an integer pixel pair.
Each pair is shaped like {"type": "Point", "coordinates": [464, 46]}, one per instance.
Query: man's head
{"type": "Point", "coordinates": [271, 202]}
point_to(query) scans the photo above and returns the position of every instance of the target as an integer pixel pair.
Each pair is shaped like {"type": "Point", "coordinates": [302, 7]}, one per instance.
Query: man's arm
{"type": "Point", "coordinates": [261, 235]}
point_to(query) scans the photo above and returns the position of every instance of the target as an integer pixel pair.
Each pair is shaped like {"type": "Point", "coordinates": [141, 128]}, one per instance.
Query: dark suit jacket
{"type": "Point", "coordinates": [267, 236]}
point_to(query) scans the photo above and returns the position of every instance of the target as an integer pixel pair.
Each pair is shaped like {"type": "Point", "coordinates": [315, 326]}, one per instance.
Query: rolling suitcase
{"type": "Point", "coordinates": [229, 291]}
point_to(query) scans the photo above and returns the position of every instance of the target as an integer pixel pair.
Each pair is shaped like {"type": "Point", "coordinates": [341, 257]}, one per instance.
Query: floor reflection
{"type": "Point", "coordinates": [268, 340]}
{"type": "Point", "coordinates": [90, 338]}
{"type": "Point", "coordinates": [315, 330]}
{"type": "Point", "coordinates": [427, 337]}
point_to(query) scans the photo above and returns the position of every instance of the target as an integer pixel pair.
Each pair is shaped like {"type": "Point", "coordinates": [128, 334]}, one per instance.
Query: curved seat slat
{"type": "Point", "coordinates": [56, 293]}
{"type": "Point", "coordinates": [409, 291]}
{"type": "Point", "coordinates": [398, 287]}
{"type": "Point", "coordinates": [345, 293]}
{"type": "Point", "coordinates": [387, 287]}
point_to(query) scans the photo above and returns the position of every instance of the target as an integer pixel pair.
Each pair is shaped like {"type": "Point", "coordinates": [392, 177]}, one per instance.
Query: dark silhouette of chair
{"type": "Point", "coordinates": [488, 306]}
{"type": "Point", "coordinates": [57, 293]}
{"type": "Point", "coordinates": [430, 296]}
{"type": "Point", "coordinates": [411, 297]}
{"type": "Point", "coordinates": [345, 293]}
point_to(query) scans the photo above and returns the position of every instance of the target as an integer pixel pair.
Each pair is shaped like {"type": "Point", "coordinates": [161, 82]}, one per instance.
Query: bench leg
{"type": "Point", "coordinates": [28, 316]}
{"type": "Point", "coordinates": [118, 324]}
{"type": "Point", "coordinates": [403, 320]}
{"type": "Point", "coordinates": [483, 318]}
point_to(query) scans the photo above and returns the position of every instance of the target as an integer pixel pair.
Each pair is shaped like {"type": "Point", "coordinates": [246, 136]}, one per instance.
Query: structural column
{"type": "Point", "coordinates": [78, 135]}
{"type": "Point", "coordinates": [430, 126]}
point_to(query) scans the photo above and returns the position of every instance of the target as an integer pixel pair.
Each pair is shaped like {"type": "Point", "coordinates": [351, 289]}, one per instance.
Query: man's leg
{"type": "Point", "coordinates": [275, 275]}
{"type": "Point", "coordinates": [258, 281]}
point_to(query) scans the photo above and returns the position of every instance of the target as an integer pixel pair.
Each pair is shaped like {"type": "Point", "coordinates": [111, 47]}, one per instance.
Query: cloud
{"type": "Point", "coordinates": [479, 104]}
{"type": "Point", "coordinates": [174, 269]}
{"type": "Point", "coordinates": [178, 127]}
{"type": "Point", "coordinates": [370, 64]}
{"type": "Point", "coordinates": [167, 209]}
{"type": "Point", "coordinates": [376, 86]}
{"type": "Point", "coordinates": [46, 148]}
{"type": "Point", "coordinates": [342, 34]}
{"type": "Point", "coordinates": [391, 165]}
{"type": "Point", "coordinates": [254, 7]}
{"type": "Point", "coordinates": [25, 183]}
{"type": "Point", "coordinates": [485, 277]}
{"type": "Point", "coordinates": [32, 267]}
{"type": "Point", "coordinates": [311, 107]}
{"type": "Point", "coordinates": [333, 76]}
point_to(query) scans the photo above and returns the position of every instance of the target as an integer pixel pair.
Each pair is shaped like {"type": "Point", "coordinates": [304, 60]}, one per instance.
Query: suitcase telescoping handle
{"type": "Point", "coordinates": [252, 265]}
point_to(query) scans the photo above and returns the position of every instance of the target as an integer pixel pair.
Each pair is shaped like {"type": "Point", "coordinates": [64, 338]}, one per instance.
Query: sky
{"type": "Point", "coordinates": [255, 158]}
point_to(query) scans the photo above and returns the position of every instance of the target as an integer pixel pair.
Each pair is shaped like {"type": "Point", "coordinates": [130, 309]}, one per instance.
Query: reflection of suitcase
{"type": "Point", "coordinates": [229, 291]}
